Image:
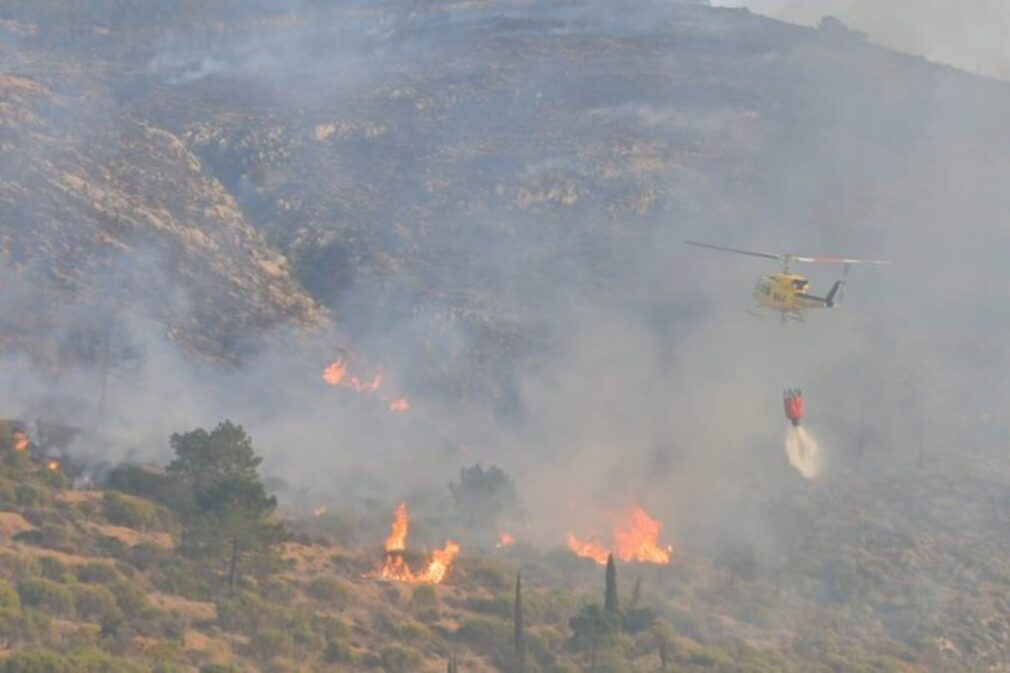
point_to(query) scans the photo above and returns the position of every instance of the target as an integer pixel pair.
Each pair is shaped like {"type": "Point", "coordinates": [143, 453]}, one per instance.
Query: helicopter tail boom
{"type": "Point", "coordinates": [829, 301]}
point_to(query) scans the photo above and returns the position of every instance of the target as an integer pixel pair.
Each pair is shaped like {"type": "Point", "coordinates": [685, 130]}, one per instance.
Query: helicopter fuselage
{"type": "Point", "coordinates": [789, 292]}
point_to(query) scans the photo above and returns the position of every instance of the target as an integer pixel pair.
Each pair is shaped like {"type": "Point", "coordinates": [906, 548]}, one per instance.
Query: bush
{"type": "Point", "coordinates": [486, 634]}
{"type": "Point", "coordinates": [36, 661]}
{"type": "Point", "coordinates": [218, 668]}
{"type": "Point", "coordinates": [271, 643]}
{"type": "Point", "coordinates": [46, 595]}
{"type": "Point", "coordinates": [8, 491]}
{"type": "Point", "coordinates": [339, 652]}
{"type": "Point", "coordinates": [146, 483]}
{"type": "Point", "coordinates": [329, 590]}
{"type": "Point", "coordinates": [54, 569]}
{"type": "Point", "coordinates": [31, 494]}
{"type": "Point", "coordinates": [130, 598]}
{"type": "Point", "coordinates": [97, 573]}
{"type": "Point", "coordinates": [132, 512]}
{"type": "Point", "coordinates": [9, 599]}
{"type": "Point", "coordinates": [28, 626]}
{"type": "Point", "coordinates": [97, 604]}
{"type": "Point", "coordinates": [424, 597]}
{"type": "Point", "coordinates": [399, 659]}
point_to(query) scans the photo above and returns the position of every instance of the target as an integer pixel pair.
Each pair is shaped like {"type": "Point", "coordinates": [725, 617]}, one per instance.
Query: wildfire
{"type": "Point", "coordinates": [336, 374]}
{"type": "Point", "coordinates": [636, 539]}
{"type": "Point", "coordinates": [396, 568]}
{"type": "Point", "coordinates": [504, 540]}
{"type": "Point", "coordinates": [319, 511]}
{"type": "Point", "coordinates": [53, 465]}
{"type": "Point", "coordinates": [400, 405]}
{"type": "Point", "coordinates": [21, 441]}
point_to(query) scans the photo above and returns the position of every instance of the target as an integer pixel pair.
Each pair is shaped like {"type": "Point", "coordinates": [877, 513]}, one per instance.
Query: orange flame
{"type": "Point", "coordinates": [588, 549]}
{"type": "Point", "coordinates": [504, 540]}
{"type": "Point", "coordinates": [334, 374]}
{"type": "Point", "coordinates": [21, 441]}
{"type": "Point", "coordinates": [397, 540]}
{"type": "Point", "coordinates": [636, 539]}
{"type": "Point", "coordinates": [395, 568]}
{"type": "Point", "coordinates": [53, 465]}
{"type": "Point", "coordinates": [400, 405]}
{"type": "Point", "coordinates": [319, 511]}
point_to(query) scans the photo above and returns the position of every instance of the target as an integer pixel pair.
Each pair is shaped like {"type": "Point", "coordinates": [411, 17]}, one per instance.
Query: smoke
{"type": "Point", "coordinates": [494, 216]}
{"type": "Point", "coordinates": [968, 36]}
{"type": "Point", "coordinates": [804, 452]}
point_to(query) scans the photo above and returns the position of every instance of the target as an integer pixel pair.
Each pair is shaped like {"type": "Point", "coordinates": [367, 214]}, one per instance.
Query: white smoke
{"type": "Point", "coordinates": [804, 452]}
{"type": "Point", "coordinates": [971, 36]}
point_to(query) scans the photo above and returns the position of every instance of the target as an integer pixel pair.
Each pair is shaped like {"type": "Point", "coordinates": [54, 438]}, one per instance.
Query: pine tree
{"type": "Point", "coordinates": [610, 603]}
{"type": "Point", "coordinates": [636, 593]}
{"type": "Point", "coordinates": [519, 636]}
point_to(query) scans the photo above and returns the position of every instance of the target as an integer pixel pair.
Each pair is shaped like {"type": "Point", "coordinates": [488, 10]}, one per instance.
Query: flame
{"type": "Point", "coordinates": [319, 511]}
{"type": "Point", "coordinates": [53, 465]}
{"type": "Point", "coordinates": [395, 568]}
{"type": "Point", "coordinates": [636, 539]}
{"type": "Point", "coordinates": [334, 374]}
{"type": "Point", "coordinates": [504, 540]}
{"type": "Point", "coordinates": [397, 540]}
{"type": "Point", "coordinates": [588, 549]}
{"type": "Point", "coordinates": [21, 441]}
{"type": "Point", "coordinates": [400, 405]}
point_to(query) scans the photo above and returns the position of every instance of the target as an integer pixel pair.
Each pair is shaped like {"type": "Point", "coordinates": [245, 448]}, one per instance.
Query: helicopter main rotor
{"type": "Point", "coordinates": [788, 258]}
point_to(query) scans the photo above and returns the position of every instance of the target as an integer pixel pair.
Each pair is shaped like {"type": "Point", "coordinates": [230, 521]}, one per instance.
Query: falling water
{"type": "Point", "coordinates": [803, 452]}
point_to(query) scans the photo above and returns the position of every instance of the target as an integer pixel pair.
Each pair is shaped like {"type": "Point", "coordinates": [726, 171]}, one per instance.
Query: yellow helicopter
{"type": "Point", "coordinates": [788, 292]}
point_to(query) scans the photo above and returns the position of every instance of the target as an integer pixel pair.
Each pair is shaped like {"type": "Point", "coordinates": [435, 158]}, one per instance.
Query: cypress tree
{"type": "Point", "coordinates": [519, 635]}
{"type": "Point", "coordinates": [610, 603]}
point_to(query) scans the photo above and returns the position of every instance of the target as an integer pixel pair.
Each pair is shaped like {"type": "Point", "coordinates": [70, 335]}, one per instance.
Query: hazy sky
{"type": "Point", "coordinates": [970, 34]}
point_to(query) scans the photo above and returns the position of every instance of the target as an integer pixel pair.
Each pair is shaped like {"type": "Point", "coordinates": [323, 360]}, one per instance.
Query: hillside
{"type": "Point", "coordinates": [397, 241]}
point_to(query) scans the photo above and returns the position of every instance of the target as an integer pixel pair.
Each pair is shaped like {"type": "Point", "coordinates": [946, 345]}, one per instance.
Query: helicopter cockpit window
{"type": "Point", "coordinates": [800, 285]}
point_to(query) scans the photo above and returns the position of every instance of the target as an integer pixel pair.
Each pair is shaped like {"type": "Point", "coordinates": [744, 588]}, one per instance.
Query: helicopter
{"type": "Point", "coordinates": [787, 292]}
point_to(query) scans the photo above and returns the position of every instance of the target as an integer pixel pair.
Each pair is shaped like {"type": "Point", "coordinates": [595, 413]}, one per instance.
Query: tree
{"type": "Point", "coordinates": [227, 515]}
{"type": "Point", "coordinates": [611, 604]}
{"type": "Point", "coordinates": [519, 636]}
{"type": "Point", "coordinates": [203, 459]}
{"type": "Point", "coordinates": [483, 497]}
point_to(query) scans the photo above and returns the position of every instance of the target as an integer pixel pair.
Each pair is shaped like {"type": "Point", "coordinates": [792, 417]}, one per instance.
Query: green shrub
{"type": "Point", "coordinates": [32, 494]}
{"type": "Point", "coordinates": [329, 590]}
{"type": "Point", "coordinates": [18, 566]}
{"type": "Point", "coordinates": [36, 661]}
{"type": "Point", "coordinates": [9, 599]}
{"type": "Point", "coordinates": [97, 573]}
{"type": "Point", "coordinates": [486, 634]}
{"type": "Point", "coordinates": [132, 512]}
{"type": "Point", "coordinates": [130, 598]}
{"type": "Point", "coordinates": [27, 626]}
{"type": "Point", "coordinates": [339, 652]}
{"type": "Point", "coordinates": [399, 659]}
{"type": "Point", "coordinates": [97, 604]}
{"type": "Point", "coordinates": [146, 483]}
{"type": "Point", "coordinates": [271, 643]}
{"type": "Point", "coordinates": [47, 595]}
{"type": "Point", "coordinates": [54, 569]}
{"type": "Point", "coordinates": [424, 597]}
{"type": "Point", "coordinates": [8, 491]}
{"type": "Point", "coordinates": [218, 668]}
